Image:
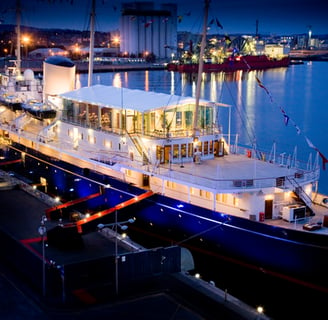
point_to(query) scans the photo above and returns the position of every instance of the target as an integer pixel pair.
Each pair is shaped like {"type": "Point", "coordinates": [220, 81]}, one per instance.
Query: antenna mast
{"type": "Point", "coordinates": [18, 34]}
{"type": "Point", "coordinates": [200, 66]}
{"type": "Point", "coordinates": [92, 42]}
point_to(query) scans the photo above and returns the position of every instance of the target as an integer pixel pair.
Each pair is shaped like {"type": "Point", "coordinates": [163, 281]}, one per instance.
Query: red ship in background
{"type": "Point", "coordinates": [227, 53]}
{"type": "Point", "coordinates": [240, 62]}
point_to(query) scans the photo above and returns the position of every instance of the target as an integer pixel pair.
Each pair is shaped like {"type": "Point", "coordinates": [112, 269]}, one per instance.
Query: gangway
{"type": "Point", "coordinates": [10, 162]}
{"type": "Point", "coordinates": [70, 203]}
{"type": "Point", "coordinates": [119, 206]}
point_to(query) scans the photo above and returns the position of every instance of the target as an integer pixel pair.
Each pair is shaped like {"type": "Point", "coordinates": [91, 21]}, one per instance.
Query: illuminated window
{"type": "Point", "coordinates": [206, 147]}
{"type": "Point", "coordinates": [208, 195]}
{"type": "Point", "coordinates": [175, 151]}
{"type": "Point", "coordinates": [190, 150]}
{"type": "Point", "coordinates": [221, 197]}
{"type": "Point", "coordinates": [183, 150]}
{"type": "Point", "coordinates": [170, 184]}
{"type": "Point", "coordinates": [178, 118]}
{"type": "Point", "coordinates": [91, 139]}
{"type": "Point", "coordinates": [152, 121]}
{"type": "Point", "coordinates": [107, 143]}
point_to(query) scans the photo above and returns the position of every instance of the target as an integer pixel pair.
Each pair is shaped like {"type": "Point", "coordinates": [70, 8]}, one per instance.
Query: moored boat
{"type": "Point", "coordinates": [17, 87]}
{"type": "Point", "coordinates": [11, 102]}
{"type": "Point", "coordinates": [199, 181]}
{"type": "Point", "coordinates": [239, 62]}
{"type": "Point", "coordinates": [39, 110]}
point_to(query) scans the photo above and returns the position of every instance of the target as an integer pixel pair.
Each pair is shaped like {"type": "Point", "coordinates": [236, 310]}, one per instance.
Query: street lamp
{"type": "Point", "coordinates": [42, 231]}
{"type": "Point", "coordinates": [26, 41]}
{"type": "Point", "coordinates": [122, 227]}
{"type": "Point", "coordinates": [116, 42]}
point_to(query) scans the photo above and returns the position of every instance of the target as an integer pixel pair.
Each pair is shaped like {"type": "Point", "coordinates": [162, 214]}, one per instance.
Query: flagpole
{"type": "Point", "coordinates": [200, 66]}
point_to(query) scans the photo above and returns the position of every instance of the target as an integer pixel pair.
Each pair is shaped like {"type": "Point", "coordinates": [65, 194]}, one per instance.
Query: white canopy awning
{"type": "Point", "coordinates": [139, 100]}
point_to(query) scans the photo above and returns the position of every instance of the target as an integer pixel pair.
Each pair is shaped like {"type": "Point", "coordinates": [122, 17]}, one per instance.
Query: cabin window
{"type": "Point", "coordinates": [152, 121]}
{"type": "Point", "coordinates": [178, 119]}
{"type": "Point", "coordinates": [118, 120]}
{"type": "Point", "coordinates": [107, 143]}
{"type": "Point", "coordinates": [206, 147]}
{"type": "Point", "coordinates": [159, 151]}
{"type": "Point", "coordinates": [183, 150]}
{"type": "Point", "coordinates": [175, 151]}
{"type": "Point", "coordinates": [188, 119]}
{"type": "Point", "coordinates": [221, 197]}
{"type": "Point", "coordinates": [170, 184]}
{"type": "Point", "coordinates": [190, 150]}
{"type": "Point", "coordinates": [208, 117]}
{"type": "Point", "coordinates": [67, 109]}
{"type": "Point", "coordinates": [208, 195]}
{"type": "Point", "coordinates": [91, 139]}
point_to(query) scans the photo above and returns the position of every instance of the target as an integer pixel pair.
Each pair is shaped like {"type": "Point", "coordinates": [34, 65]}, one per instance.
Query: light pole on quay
{"type": "Point", "coordinates": [42, 231]}
{"type": "Point", "coordinates": [122, 227]}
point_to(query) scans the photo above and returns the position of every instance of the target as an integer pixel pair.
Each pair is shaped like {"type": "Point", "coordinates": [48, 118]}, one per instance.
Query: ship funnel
{"type": "Point", "coordinates": [58, 76]}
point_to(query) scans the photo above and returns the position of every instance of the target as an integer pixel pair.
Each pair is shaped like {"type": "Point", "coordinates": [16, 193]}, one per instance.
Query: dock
{"type": "Point", "coordinates": [174, 295]}
{"type": "Point", "coordinates": [82, 67]}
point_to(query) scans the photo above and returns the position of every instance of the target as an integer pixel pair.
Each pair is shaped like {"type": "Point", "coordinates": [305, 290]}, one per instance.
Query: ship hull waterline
{"type": "Point", "coordinates": [298, 256]}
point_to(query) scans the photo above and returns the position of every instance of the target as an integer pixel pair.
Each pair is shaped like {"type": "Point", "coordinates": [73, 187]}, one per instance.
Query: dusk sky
{"type": "Point", "coordinates": [236, 16]}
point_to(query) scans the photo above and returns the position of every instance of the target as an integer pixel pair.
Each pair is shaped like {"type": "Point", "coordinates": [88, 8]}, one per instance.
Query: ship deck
{"type": "Point", "coordinates": [228, 174]}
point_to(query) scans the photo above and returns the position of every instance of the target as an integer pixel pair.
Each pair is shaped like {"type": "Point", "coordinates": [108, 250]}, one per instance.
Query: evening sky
{"type": "Point", "coordinates": [282, 17]}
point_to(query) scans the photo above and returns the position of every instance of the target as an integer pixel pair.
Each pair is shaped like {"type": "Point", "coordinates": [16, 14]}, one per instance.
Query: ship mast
{"type": "Point", "coordinates": [200, 67]}
{"type": "Point", "coordinates": [18, 35]}
{"type": "Point", "coordinates": [92, 42]}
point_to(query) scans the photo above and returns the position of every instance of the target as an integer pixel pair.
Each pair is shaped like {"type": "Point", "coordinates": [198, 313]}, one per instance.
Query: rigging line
{"type": "Point", "coordinates": [287, 120]}
{"type": "Point", "coordinates": [242, 115]}
{"type": "Point", "coordinates": [200, 233]}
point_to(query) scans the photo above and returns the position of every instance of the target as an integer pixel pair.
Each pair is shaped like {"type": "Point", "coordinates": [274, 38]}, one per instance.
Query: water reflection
{"type": "Point", "coordinates": [254, 116]}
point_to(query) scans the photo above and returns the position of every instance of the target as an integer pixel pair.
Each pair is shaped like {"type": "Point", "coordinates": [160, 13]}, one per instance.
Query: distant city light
{"type": "Point", "coordinates": [260, 309]}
